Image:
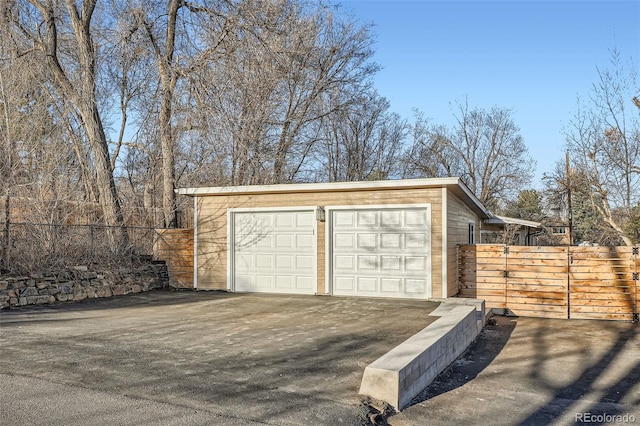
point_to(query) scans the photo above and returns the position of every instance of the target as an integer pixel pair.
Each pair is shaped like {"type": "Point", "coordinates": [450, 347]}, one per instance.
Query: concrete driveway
{"type": "Point", "coordinates": [197, 358]}
{"type": "Point", "coordinates": [532, 371]}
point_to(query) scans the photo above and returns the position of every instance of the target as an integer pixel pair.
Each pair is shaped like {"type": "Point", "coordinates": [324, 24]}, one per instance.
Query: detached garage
{"type": "Point", "coordinates": [375, 239]}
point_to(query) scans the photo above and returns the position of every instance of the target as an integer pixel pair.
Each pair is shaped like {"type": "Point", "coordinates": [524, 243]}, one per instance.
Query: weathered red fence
{"type": "Point", "coordinates": [553, 282]}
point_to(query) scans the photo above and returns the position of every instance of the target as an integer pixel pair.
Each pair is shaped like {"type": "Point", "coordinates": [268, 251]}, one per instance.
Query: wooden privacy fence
{"type": "Point", "coordinates": [552, 282]}
{"type": "Point", "coordinates": [175, 247]}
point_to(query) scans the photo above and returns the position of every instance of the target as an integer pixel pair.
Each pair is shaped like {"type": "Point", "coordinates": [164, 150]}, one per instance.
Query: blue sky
{"type": "Point", "coordinates": [534, 57]}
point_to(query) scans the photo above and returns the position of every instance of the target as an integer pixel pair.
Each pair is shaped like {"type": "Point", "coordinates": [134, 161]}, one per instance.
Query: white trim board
{"type": "Point", "coordinates": [195, 243]}
{"type": "Point", "coordinates": [445, 241]}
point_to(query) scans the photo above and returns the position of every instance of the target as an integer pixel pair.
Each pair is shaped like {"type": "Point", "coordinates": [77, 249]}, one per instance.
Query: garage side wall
{"type": "Point", "coordinates": [459, 218]}
{"type": "Point", "coordinates": [212, 226]}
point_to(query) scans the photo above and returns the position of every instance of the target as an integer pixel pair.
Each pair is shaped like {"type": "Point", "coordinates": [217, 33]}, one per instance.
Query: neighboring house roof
{"type": "Point", "coordinates": [453, 184]}
{"type": "Point", "coordinates": [504, 220]}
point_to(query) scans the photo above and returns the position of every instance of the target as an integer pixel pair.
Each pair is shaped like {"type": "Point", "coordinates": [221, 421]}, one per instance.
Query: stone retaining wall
{"type": "Point", "coordinates": [80, 283]}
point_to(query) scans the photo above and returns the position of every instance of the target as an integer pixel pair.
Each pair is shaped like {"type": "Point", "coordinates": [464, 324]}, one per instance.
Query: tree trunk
{"type": "Point", "coordinates": [86, 98]}
{"type": "Point", "coordinates": [168, 161]}
{"type": "Point", "coordinates": [168, 81]}
{"type": "Point", "coordinates": [109, 201]}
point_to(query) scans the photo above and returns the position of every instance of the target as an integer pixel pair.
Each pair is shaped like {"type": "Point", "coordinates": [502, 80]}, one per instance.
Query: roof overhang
{"type": "Point", "coordinates": [504, 220]}
{"type": "Point", "coordinates": [453, 184]}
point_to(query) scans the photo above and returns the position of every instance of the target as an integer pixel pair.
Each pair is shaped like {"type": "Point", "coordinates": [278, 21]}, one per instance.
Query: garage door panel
{"type": "Point", "coordinates": [415, 264]}
{"type": "Point", "coordinates": [391, 285]}
{"type": "Point", "coordinates": [263, 221]}
{"type": "Point", "coordinates": [414, 218]}
{"type": "Point", "coordinates": [285, 220]}
{"type": "Point", "coordinates": [367, 241]}
{"type": "Point", "coordinates": [344, 241]}
{"type": "Point", "coordinates": [415, 286]}
{"type": "Point", "coordinates": [367, 219]}
{"type": "Point", "coordinates": [344, 262]}
{"type": "Point", "coordinates": [244, 223]}
{"type": "Point", "coordinates": [416, 241]}
{"type": "Point", "coordinates": [264, 282]}
{"type": "Point", "coordinates": [345, 284]}
{"type": "Point", "coordinates": [264, 261]}
{"type": "Point", "coordinates": [305, 219]}
{"type": "Point", "coordinates": [274, 251]}
{"type": "Point", "coordinates": [284, 261]}
{"type": "Point", "coordinates": [343, 219]}
{"type": "Point", "coordinates": [262, 241]}
{"type": "Point", "coordinates": [391, 218]}
{"type": "Point", "coordinates": [367, 263]}
{"type": "Point", "coordinates": [284, 281]}
{"type": "Point", "coordinates": [245, 261]}
{"type": "Point", "coordinates": [305, 241]}
{"type": "Point", "coordinates": [391, 241]}
{"type": "Point", "coordinates": [305, 283]}
{"type": "Point", "coordinates": [391, 256]}
{"type": "Point", "coordinates": [367, 285]}
{"type": "Point", "coordinates": [391, 263]}
{"type": "Point", "coordinates": [284, 241]}
{"type": "Point", "coordinates": [245, 280]}
{"type": "Point", "coordinates": [305, 262]}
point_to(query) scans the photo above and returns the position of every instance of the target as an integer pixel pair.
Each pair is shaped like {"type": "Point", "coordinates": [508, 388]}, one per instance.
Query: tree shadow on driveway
{"type": "Point", "coordinates": [603, 385]}
{"type": "Point", "coordinates": [262, 358]}
{"type": "Point", "coordinates": [536, 371]}
{"type": "Point", "coordinates": [472, 362]}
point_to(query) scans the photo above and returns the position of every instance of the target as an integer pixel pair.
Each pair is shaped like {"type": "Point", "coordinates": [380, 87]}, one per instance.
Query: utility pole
{"type": "Point", "coordinates": [570, 211]}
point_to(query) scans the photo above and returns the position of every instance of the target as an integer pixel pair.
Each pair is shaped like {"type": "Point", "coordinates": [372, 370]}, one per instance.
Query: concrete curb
{"type": "Point", "coordinates": [402, 373]}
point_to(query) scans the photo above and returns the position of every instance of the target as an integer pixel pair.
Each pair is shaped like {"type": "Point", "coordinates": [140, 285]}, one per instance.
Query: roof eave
{"type": "Point", "coordinates": [451, 183]}
{"type": "Point", "coordinates": [503, 220]}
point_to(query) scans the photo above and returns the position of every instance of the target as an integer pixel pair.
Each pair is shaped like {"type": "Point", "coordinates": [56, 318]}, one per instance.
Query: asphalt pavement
{"type": "Point", "coordinates": [197, 358]}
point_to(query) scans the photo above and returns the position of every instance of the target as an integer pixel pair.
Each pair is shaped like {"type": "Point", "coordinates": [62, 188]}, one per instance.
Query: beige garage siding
{"type": "Point", "coordinates": [459, 216]}
{"type": "Point", "coordinates": [212, 225]}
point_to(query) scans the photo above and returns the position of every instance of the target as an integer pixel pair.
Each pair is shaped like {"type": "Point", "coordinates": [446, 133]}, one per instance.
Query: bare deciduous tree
{"type": "Point", "coordinates": [484, 148]}
{"type": "Point", "coordinates": [267, 96]}
{"type": "Point", "coordinates": [363, 142]}
{"type": "Point", "coordinates": [62, 35]}
{"type": "Point", "coordinates": [604, 141]}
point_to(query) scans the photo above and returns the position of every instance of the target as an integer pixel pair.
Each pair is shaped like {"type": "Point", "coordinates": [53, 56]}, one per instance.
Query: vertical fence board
{"type": "Point", "coordinates": [537, 283]}
{"type": "Point", "coordinates": [481, 274]}
{"type": "Point", "coordinates": [175, 247]}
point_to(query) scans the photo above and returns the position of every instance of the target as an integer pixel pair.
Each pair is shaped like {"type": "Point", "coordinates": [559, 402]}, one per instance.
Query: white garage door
{"type": "Point", "coordinates": [381, 252]}
{"type": "Point", "coordinates": [274, 251]}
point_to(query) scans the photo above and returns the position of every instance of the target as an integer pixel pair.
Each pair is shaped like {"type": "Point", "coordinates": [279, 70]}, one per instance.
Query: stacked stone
{"type": "Point", "coordinates": [79, 283]}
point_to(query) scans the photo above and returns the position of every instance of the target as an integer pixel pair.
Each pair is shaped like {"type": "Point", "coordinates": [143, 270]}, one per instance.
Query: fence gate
{"type": "Point", "coordinates": [552, 282]}
{"type": "Point", "coordinates": [536, 281]}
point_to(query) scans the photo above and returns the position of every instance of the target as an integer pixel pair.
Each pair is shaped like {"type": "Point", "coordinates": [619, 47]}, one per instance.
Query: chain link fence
{"type": "Point", "coordinates": [29, 247]}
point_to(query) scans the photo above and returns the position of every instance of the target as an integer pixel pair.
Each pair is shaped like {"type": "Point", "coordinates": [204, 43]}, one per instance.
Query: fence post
{"type": "Point", "coordinates": [92, 233]}
{"type": "Point", "coordinates": [569, 262]}
{"type": "Point", "coordinates": [634, 252]}
{"type": "Point", "coordinates": [506, 279]}
{"type": "Point", "coordinates": [6, 241]}
{"type": "Point", "coordinates": [458, 268]}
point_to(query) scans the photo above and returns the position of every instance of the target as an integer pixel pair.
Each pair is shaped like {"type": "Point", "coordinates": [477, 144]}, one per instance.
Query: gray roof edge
{"type": "Point", "coordinates": [452, 183]}
{"type": "Point", "coordinates": [501, 220]}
